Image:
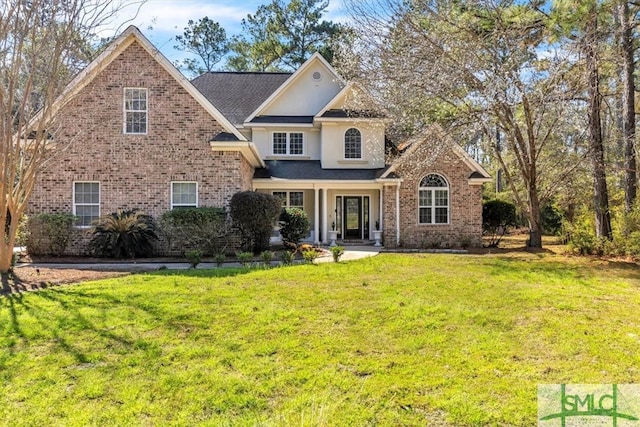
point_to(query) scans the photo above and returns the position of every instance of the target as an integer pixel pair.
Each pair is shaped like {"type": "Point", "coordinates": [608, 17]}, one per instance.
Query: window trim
{"type": "Point", "coordinates": [99, 204]}
{"type": "Point", "coordinates": [176, 205]}
{"type": "Point", "coordinates": [125, 111]}
{"type": "Point", "coordinates": [433, 206]}
{"type": "Point", "coordinates": [288, 143]}
{"type": "Point", "coordinates": [287, 200]}
{"type": "Point", "coordinates": [344, 144]}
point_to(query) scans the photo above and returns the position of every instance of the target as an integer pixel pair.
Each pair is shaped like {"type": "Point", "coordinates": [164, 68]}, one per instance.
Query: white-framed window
{"type": "Point", "coordinates": [352, 144]}
{"type": "Point", "coordinates": [288, 143]}
{"type": "Point", "coordinates": [135, 110]}
{"type": "Point", "coordinates": [433, 200]}
{"type": "Point", "coordinates": [184, 194]}
{"type": "Point", "coordinates": [86, 202]}
{"type": "Point", "coordinates": [291, 199]}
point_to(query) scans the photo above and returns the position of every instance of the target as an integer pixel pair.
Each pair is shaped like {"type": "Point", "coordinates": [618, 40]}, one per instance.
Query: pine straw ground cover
{"type": "Point", "coordinates": [397, 339]}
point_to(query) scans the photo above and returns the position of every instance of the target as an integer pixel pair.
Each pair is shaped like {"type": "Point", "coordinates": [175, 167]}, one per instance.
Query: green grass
{"type": "Point", "coordinates": [390, 340]}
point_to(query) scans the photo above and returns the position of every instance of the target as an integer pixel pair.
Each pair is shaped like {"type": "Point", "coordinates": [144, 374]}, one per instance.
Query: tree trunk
{"type": "Point", "coordinates": [600, 193]}
{"type": "Point", "coordinates": [535, 229]}
{"type": "Point", "coordinates": [628, 104]}
{"type": "Point", "coordinates": [6, 257]}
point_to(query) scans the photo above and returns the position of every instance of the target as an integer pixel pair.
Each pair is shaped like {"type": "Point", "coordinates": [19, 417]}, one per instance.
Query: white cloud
{"type": "Point", "coordinates": [171, 15]}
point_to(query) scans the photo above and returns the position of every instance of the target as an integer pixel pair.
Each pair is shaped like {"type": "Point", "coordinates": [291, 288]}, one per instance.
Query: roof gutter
{"type": "Point", "coordinates": [246, 148]}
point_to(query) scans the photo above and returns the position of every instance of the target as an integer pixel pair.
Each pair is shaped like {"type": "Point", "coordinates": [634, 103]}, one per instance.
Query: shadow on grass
{"type": "Point", "coordinates": [576, 266]}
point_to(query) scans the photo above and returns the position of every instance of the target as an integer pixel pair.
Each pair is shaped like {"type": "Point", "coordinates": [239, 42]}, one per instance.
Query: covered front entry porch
{"type": "Point", "coordinates": [353, 210]}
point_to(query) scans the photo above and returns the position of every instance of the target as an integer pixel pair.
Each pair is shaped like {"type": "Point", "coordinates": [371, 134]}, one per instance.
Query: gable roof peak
{"type": "Point", "coordinates": [130, 35]}
{"type": "Point", "coordinates": [313, 59]}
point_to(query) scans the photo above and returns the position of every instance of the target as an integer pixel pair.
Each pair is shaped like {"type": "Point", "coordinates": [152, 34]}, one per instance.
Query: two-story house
{"type": "Point", "coordinates": [133, 132]}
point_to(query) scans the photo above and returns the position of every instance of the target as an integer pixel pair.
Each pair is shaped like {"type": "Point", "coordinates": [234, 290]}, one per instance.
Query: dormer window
{"type": "Point", "coordinates": [352, 144]}
{"type": "Point", "coordinates": [288, 143]}
{"type": "Point", "coordinates": [135, 110]}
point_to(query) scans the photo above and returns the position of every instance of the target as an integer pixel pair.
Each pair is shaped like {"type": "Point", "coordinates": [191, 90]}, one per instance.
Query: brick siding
{"type": "Point", "coordinates": [465, 203]}
{"type": "Point", "coordinates": [136, 171]}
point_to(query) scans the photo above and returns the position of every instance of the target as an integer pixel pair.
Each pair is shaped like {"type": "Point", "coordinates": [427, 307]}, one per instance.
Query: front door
{"type": "Point", "coordinates": [352, 217]}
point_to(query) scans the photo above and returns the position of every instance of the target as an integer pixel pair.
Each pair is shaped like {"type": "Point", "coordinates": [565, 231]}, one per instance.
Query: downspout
{"type": "Point", "coordinates": [316, 214]}
{"type": "Point", "coordinates": [324, 215]}
{"type": "Point", "coordinates": [380, 202]}
{"type": "Point", "coordinates": [398, 215]}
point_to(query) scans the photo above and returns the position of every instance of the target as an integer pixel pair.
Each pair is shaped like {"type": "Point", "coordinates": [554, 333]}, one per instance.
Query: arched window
{"type": "Point", "coordinates": [433, 200]}
{"type": "Point", "coordinates": [352, 144]}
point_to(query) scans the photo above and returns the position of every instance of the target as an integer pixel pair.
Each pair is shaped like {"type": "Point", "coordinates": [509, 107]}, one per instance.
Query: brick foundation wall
{"type": "Point", "coordinates": [136, 171]}
{"type": "Point", "coordinates": [465, 204]}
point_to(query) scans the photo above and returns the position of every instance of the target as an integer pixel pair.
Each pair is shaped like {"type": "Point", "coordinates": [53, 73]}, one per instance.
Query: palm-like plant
{"type": "Point", "coordinates": [123, 234]}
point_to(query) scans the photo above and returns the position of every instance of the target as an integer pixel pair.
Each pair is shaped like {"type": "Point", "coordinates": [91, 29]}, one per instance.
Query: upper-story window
{"type": "Point", "coordinates": [433, 195]}
{"type": "Point", "coordinates": [135, 110]}
{"type": "Point", "coordinates": [352, 144]}
{"type": "Point", "coordinates": [288, 143]}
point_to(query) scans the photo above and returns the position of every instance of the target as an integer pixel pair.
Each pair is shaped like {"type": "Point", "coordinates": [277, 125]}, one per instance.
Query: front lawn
{"type": "Point", "coordinates": [390, 340]}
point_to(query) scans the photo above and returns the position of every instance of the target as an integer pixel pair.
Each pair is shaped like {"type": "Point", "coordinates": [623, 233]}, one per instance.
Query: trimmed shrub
{"type": "Point", "coordinates": [49, 234]}
{"type": "Point", "coordinates": [287, 257]}
{"type": "Point", "coordinates": [497, 215]}
{"type": "Point", "coordinates": [266, 257]}
{"type": "Point", "coordinates": [337, 252]}
{"type": "Point", "coordinates": [194, 257]}
{"type": "Point", "coordinates": [204, 228]}
{"type": "Point", "coordinates": [310, 255]}
{"type": "Point", "coordinates": [244, 258]}
{"type": "Point", "coordinates": [219, 259]}
{"type": "Point", "coordinates": [255, 214]}
{"type": "Point", "coordinates": [294, 225]}
{"type": "Point", "coordinates": [123, 234]}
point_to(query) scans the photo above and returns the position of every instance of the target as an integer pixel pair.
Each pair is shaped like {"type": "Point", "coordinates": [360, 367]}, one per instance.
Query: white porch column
{"type": "Point", "coordinates": [398, 214]}
{"type": "Point", "coordinates": [316, 216]}
{"type": "Point", "coordinates": [324, 216]}
{"type": "Point", "coordinates": [380, 208]}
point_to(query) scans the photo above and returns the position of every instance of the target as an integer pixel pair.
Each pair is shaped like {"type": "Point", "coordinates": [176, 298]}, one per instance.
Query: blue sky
{"type": "Point", "coordinates": [161, 20]}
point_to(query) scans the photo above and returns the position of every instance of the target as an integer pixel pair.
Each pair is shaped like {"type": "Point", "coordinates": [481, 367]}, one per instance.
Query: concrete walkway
{"type": "Point", "coordinates": [351, 253]}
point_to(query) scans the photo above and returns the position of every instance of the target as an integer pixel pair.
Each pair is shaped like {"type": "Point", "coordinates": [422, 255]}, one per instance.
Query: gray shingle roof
{"type": "Point", "coordinates": [224, 137]}
{"type": "Point", "coordinates": [352, 113]}
{"type": "Point", "coordinates": [283, 119]}
{"type": "Point", "coordinates": [237, 94]}
{"type": "Point", "coordinates": [311, 169]}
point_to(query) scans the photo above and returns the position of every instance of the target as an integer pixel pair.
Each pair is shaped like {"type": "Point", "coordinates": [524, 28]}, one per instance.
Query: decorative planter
{"type": "Point", "coordinates": [333, 235]}
{"type": "Point", "coordinates": [377, 236]}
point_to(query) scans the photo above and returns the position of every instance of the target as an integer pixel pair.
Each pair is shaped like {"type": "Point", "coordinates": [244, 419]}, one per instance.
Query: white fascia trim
{"type": "Point", "coordinates": [248, 150]}
{"type": "Point", "coordinates": [315, 57]}
{"type": "Point", "coordinates": [390, 181]}
{"type": "Point", "coordinates": [386, 173]}
{"type": "Point", "coordinates": [470, 162]}
{"type": "Point", "coordinates": [351, 119]}
{"type": "Point", "coordinates": [278, 125]}
{"type": "Point", "coordinates": [478, 181]}
{"type": "Point", "coordinates": [334, 100]}
{"type": "Point", "coordinates": [350, 86]}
